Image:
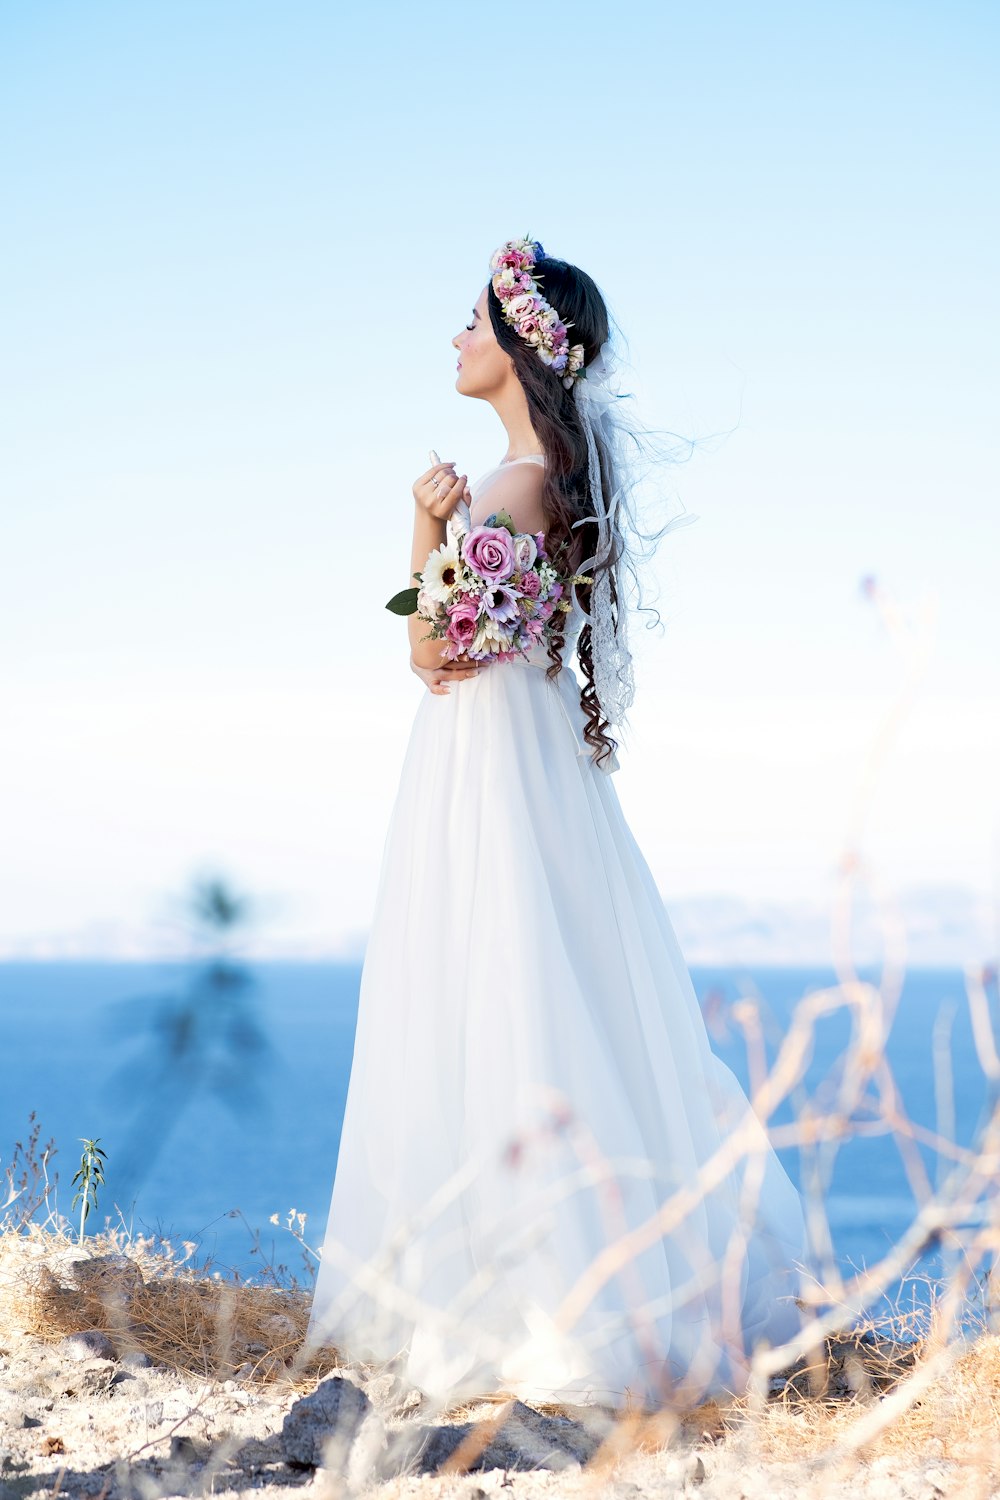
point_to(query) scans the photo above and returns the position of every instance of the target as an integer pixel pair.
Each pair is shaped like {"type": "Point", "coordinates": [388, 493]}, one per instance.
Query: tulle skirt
{"type": "Point", "coordinates": [547, 1183]}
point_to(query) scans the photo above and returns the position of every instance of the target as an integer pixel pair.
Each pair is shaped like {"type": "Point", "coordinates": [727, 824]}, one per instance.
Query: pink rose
{"type": "Point", "coordinates": [462, 621]}
{"type": "Point", "coordinates": [488, 551]}
{"type": "Point", "coordinates": [515, 259]}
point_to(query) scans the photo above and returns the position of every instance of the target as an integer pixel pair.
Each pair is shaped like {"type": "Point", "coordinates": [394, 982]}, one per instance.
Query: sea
{"type": "Point", "coordinates": [216, 1089]}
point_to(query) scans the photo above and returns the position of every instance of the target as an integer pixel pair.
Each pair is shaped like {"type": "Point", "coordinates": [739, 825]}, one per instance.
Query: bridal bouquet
{"type": "Point", "coordinates": [492, 593]}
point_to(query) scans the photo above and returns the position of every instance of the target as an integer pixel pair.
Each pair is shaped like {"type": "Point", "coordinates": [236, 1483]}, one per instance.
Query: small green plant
{"type": "Point", "coordinates": [90, 1177]}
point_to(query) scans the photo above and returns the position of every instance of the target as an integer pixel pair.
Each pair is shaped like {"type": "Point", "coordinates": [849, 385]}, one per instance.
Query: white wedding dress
{"type": "Point", "coordinates": [532, 1082]}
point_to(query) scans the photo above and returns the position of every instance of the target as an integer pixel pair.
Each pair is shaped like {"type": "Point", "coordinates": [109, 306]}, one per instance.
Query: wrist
{"type": "Point", "coordinates": [421, 513]}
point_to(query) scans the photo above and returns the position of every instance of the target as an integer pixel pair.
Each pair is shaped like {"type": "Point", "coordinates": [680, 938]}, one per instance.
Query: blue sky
{"type": "Point", "coordinates": [238, 241]}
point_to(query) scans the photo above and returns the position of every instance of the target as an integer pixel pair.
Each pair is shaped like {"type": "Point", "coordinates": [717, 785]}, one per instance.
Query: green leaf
{"type": "Point", "coordinates": [502, 518]}
{"type": "Point", "coordinates": [404, 603]}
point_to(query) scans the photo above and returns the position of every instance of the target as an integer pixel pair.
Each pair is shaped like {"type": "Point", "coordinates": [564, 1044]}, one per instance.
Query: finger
{"type": "Point", "coordinates": [436, 469]}
{"type": "Point", "coordinates": [430, 481]}
{"type": "Point", "coordinates": [438, 496]}
{"type": "Point", "coordinates": [450, 670]}
{"type": "Point", "coordinates": [444, 497]}
{"type": "Point", "coordinates": [443, 485]}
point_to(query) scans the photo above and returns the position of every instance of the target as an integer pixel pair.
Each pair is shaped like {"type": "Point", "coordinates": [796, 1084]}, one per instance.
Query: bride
{"type": "Point", "coordinates": [546, 1183]}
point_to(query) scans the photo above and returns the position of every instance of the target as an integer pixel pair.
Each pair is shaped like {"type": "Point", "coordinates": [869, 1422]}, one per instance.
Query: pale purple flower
{"type": "Point", "coordinates": [488, 551]}
{"type": "Point", "coordinates": [500, 603]}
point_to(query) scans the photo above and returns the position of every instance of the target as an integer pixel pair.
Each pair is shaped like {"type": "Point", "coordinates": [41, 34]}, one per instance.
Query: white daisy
{"type": "Point", "coordinates": [440, 574]}
{"type": "Point", "coordinates": [489, 636]}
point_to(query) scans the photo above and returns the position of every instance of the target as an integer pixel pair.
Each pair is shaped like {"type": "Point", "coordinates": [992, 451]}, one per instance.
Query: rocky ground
{"type": "Point", "coordinates": [149, 1401]}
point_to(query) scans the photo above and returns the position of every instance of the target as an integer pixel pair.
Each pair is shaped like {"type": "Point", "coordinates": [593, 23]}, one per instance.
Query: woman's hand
{"type": "Point", "coordinates": [440, 489]}
{"type": "Point", "coordinates": [439, 678]}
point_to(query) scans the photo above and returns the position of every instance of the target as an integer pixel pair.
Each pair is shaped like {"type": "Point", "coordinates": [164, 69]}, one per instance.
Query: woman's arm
{"type": "Point", "coordinates": [428, 532]}
{"type": "Point", "coordinates": [434, 503]}
{"type": "Point", "coordinates": [439, 679]}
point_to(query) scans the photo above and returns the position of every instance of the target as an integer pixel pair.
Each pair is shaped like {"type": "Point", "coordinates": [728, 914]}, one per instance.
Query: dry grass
{"type": "Point", "coordinates": [146, 1299]}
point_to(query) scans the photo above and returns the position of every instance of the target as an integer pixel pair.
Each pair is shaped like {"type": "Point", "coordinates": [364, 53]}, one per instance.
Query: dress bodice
{"type": "Point", "coordinates": [538, 655]}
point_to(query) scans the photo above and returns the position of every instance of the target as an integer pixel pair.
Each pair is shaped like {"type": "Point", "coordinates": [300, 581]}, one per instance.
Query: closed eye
{"type": "Point", "coordinates": [470, 326]}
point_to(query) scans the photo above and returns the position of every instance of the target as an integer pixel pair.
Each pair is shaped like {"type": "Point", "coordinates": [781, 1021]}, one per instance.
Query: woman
{"type": "Point", "coordinates": [546, 1181]}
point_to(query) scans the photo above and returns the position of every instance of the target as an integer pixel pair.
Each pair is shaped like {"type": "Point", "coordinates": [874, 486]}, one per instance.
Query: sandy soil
{"type": "Point", "coordinates": [171, 1386]}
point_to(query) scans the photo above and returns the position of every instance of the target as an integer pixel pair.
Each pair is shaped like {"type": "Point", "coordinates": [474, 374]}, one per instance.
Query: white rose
{"type": "Point", "coordinates": [517, 306]}
{"type": "Point", "coordinates": [524, 549]}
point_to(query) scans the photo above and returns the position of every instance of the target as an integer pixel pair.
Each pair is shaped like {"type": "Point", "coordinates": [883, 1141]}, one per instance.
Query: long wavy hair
{"type": "Point", "coordinates": [566, 494]}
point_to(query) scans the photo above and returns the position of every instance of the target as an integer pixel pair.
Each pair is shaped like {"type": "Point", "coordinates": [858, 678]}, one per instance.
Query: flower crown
{"type": "Point", "coordinates": [527, 311]}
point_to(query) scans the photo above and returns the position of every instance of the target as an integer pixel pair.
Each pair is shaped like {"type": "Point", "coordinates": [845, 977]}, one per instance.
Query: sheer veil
{"type": "Point", "coordinates": [621, 458]}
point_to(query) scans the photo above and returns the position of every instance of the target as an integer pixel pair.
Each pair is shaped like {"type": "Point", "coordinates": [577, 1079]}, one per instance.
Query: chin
{"type": "Point", "coordinates": [464, 389]}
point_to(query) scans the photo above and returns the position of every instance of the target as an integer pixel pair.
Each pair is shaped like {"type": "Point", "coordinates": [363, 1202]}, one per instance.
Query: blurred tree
{"type": "Point", "coordinates": [202, 1039]}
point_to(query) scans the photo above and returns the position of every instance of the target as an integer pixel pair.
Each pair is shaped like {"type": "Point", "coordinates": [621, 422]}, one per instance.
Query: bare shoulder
{"type": "Point", "coordinates": [518, 491]}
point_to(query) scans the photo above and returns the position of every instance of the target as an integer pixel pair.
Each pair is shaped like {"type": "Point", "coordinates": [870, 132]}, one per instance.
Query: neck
{"type": "Point", "coordinates": [511, 406]}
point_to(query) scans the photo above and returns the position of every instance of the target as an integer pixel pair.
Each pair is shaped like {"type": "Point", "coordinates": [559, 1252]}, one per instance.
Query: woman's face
{"type": "Point", "coordinates": [483, 367]}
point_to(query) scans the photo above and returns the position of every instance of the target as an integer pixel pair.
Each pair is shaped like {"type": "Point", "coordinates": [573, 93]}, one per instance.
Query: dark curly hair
{"type": "Point", "coordinates": [566, 494]}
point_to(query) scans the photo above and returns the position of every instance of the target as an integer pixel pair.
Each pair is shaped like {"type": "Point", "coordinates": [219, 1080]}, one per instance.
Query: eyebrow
{"type": "Point", "coordinates": [475, 312]}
